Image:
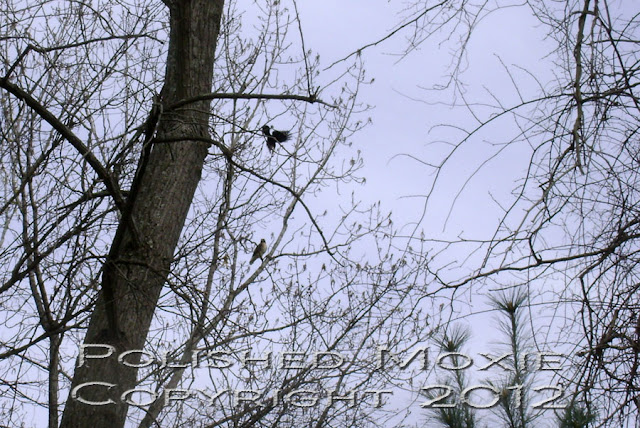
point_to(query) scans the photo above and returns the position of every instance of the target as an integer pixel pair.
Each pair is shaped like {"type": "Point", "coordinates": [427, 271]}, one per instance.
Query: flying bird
{"type": "Point", "coordinates": [261, 248]}
{"type": "Point", "coordinates": [274, 137]}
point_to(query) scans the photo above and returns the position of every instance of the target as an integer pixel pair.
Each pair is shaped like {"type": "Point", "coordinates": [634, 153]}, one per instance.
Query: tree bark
{"type": "Point", "coordinates": [142, 251]}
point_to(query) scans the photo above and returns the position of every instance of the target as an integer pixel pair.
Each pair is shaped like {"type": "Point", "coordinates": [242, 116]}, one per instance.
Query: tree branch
{"type": "Point", "coordinates": [67, 134]}
{"type": "Point", "coordinates": [312, 98]}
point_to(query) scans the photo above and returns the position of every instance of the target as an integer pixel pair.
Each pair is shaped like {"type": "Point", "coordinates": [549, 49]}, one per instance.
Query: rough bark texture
{"type": "Point", "coordinates": [137, 266]}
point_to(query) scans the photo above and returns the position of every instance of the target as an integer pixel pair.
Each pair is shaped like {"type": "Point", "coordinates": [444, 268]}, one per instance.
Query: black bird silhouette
{"type": "Point", "coordinates": [274, 137]}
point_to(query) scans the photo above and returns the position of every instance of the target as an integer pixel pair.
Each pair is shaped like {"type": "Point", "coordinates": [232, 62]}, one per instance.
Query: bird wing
{"type": "Point", "coordinates": [261, 248]}
{"type": "Point", "coordinates": [281, 136]}
{"type": "Point", "coordinates": [271, 143]}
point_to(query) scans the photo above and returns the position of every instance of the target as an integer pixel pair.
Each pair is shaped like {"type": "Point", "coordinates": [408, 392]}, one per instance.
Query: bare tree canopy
{"type": "Point", "coordinates": [182, 244]}
{"type": "Point", "coordinates": [137, 184]}
{"type": "Point", "coordinates": [568, 233]}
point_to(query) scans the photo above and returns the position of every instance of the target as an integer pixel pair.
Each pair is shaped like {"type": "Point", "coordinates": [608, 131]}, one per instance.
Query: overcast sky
{"type": "Point", "coordinates": [405, 112]}
{"type": "Point", "coordinates": [407, 115]}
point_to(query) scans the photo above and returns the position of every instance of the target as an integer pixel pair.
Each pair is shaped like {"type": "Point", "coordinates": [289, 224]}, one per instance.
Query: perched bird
{"type": "Point", "coordinates": [261, 248]}
{"type": "Point", "coordinates": [274, 137]}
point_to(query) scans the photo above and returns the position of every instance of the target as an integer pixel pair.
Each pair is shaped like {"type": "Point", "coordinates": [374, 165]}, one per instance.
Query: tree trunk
{"type": "Point", "coordinates": [142, 251]}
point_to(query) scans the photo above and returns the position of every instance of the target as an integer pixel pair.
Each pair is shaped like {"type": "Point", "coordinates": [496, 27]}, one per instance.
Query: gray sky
{"type": "Point", "coordinates": [407, 115]}
{"type": "Point", "coordinates": [407, 119]}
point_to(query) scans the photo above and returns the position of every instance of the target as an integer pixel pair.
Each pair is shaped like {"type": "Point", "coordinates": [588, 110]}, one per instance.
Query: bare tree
{"type": "Point", "coordinates": [137, 185]}
{"type": "Point", "coordinates": [571, 228]}
{"type": "Point", "coordinates": [570, 232]}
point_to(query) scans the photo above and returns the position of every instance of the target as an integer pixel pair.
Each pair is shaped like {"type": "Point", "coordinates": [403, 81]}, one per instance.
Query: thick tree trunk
{"type": "Point", "coordinates": [139, 262]}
